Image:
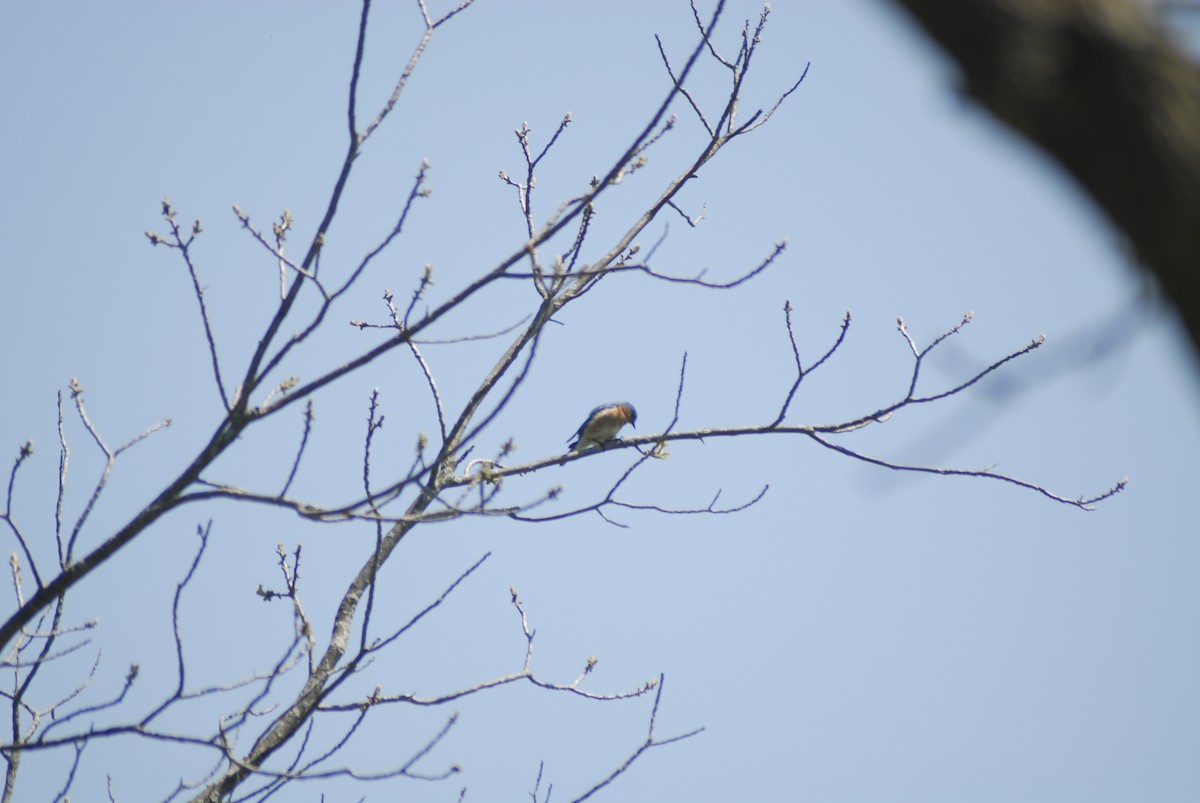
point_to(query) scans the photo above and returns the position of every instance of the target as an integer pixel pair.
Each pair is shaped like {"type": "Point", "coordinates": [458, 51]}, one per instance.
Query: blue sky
{"type": "Point", "coordinates": [858, 635]}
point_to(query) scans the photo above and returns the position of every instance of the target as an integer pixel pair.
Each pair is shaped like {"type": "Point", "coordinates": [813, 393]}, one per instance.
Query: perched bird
{"type": "Point", "coordinates": [602, 425]}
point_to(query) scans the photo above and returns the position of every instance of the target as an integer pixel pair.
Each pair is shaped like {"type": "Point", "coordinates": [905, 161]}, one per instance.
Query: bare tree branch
{"type": "Point", "coordinates": [648, 744]}
{"type": "Point", "coordinates": [183, 245]}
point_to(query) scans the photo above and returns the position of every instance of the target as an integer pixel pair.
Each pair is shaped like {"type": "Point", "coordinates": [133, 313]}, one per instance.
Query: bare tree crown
{"type": "Point", "coordinates": [293, 719]}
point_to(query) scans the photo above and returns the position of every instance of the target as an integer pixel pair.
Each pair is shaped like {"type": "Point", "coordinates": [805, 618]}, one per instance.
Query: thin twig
{"type": "Point", "coordinates": [308, 422]}
{"type": "Point", "coordinates": [1082, 503]}
{"type": "Point", "coordinates": [433, 388]}
{"type": "Point", "coordinates": [23, 454]}
{"type": "Point", "coordinates": [648, 744]}
{"type": "Point", "coordinates": [183, 245]}
{"type": "Point", "coordinates": [800, 372]}
{"type": "Point", "coordinates": [687, 95]}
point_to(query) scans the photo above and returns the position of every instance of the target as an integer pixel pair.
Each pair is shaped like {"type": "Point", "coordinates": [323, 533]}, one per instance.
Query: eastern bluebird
{"type": "Point", "coordinates": [602, 425]}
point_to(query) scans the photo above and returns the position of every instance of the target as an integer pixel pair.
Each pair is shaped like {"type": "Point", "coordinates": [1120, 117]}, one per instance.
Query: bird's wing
{"type": "Point", "coordinates": [588, 420]}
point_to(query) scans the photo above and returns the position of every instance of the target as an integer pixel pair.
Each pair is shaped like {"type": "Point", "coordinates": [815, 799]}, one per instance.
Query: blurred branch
{"type": "Point", "coordinates": [1103, 89]}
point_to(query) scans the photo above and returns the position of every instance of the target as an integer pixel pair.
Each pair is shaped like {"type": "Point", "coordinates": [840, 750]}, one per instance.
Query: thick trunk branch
{"type": "Point", "coordinates": [1104, 91]}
